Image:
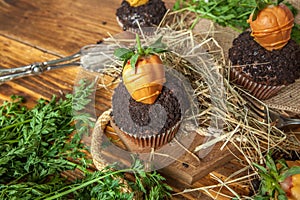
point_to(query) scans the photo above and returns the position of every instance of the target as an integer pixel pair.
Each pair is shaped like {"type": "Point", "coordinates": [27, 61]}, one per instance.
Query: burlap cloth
{"type": "Point", "coordinates": [288, 99]}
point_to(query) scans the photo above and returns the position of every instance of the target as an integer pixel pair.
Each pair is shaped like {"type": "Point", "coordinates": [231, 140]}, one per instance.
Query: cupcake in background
{"type": "Point", "coordinates": [143, 13]}
{"type": "Point", "coordinates": [266, 59]}
{"type": "Point", "coordinates": [261, 72]}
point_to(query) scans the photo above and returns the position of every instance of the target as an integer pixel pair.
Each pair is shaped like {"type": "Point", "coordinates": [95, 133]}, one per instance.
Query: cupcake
{"type": "Point", "coordinates": [143, 13]}
{"type": "Point", "coordinates": [149, 102]}
{"type": "Point", "coordinates": [261, 72]}
{"type": "Point", "coordinates": [265, 59]}
{"type": "Point", "coordinates": [142, 126]}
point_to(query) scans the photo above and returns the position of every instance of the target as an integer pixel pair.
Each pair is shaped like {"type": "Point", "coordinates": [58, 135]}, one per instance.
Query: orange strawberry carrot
{"type": "Point", "coordinates": [143, 73]}
{"type": "Point", "coordinates": [271, 24]}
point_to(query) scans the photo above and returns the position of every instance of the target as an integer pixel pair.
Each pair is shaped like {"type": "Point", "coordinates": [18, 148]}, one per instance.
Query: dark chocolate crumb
{"type": "Point", "coordinates": [185, 165]}
{"type": "Point", "coordinates": [277, 67]}
{"type": "Point", "coordinates": [164, 113]}
{"type": "Point", "coordinates": [143, 119]}
{"type": "Point", "coordinates": [147, 15]}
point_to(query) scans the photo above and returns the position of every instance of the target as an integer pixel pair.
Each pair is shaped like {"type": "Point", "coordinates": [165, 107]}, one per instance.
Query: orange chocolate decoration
{"type": "Point", "coordinates": [272, 27]}
{"type": "Point", "coordinates": [144, 82]}
{"type": "Point", "coordinates": [291, 185]}
{"type": "Point", "coordinates": [295, 190]}
{"type": "Point", "coordinates": [136, 3]}
{"type": "Point", "coordinates": [143, 73]}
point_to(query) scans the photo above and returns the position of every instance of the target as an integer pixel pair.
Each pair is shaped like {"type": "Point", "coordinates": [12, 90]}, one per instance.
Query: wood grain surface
{"type": "Point", "coordinates": [35, 31]}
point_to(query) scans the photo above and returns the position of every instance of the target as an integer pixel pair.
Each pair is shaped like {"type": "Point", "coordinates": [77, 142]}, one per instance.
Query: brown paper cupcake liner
{"type": "Point", "coordinates": [258, 90]}
{"type": "Point", "coordinates": [145, 143]}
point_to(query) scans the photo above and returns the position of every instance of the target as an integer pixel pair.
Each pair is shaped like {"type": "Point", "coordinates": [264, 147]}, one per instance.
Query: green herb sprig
{"type": "Point", "coordinates": [231, 13]}
{"type": "Point", "coordinates": [106, 184]}
{"type": "Point", "coordinates": [262, 4]}
{"type": "Point", "coordinates": [33, 144]}
{"type": "Point", "coordinates": [38, 144]}
{"type": "Point", "coordinates": [271, 177]}
{"type": "Point", "coordinates": [132, 55]}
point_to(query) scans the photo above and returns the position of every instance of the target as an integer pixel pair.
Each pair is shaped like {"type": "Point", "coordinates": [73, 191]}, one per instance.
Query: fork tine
{"type": "Point", "coordinates": [257, 108]}
{"type": "Point", "coordinates": [263, 113]}
{"type": "Point", "coordinates": [266, 115]}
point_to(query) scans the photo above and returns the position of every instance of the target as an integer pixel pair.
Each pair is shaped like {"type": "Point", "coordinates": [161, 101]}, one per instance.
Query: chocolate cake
{"type": "Point", "coordinates": [150, 125]}
{"type": "Point", "coordinates": [260, 71]}
{"type": "Point", "coordinates": [147, 15]}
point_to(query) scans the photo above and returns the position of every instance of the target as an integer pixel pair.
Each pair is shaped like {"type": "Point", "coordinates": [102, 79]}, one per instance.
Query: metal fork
{"type": "Point", "coordinates": [38, 68]}
{"type": "Point", "coordinates": [268, 115]}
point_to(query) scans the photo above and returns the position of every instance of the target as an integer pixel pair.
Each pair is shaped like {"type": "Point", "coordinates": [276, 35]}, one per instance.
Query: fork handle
{"type": "Point", "coordinates": [13, 73]}
{"type": "Point", "coordinates": [38, 68]}
{"type": "Point", "coordinates": [290, 121]}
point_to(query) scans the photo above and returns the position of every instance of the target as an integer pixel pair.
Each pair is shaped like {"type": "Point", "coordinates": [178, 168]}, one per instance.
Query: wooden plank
{"type": "Point", "coordinates": [56, 82]}
{"type": "Point", "coordinates": [61, 28]}
{"type": "Point", "coordinates": [208, 182]}
{"type": "Point", "coordinates": [190, 170]}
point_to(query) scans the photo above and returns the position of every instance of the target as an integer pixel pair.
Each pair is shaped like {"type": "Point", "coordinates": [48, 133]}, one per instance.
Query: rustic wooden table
{"type": "Point", "coordinates": [35, 31]}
